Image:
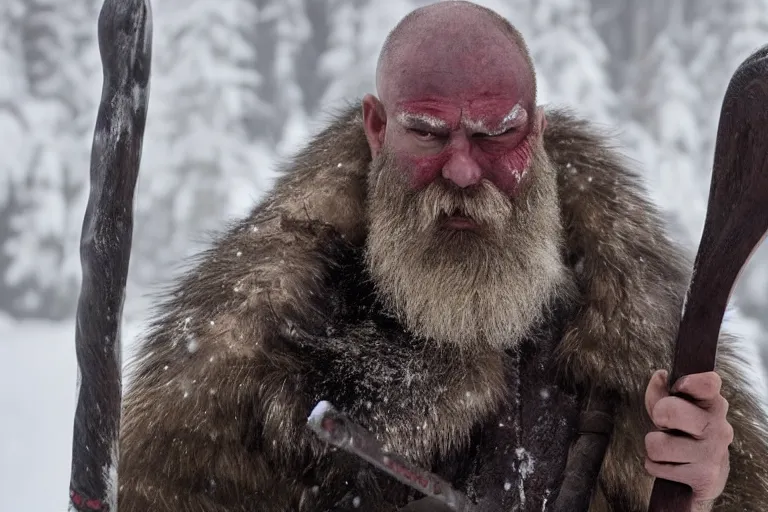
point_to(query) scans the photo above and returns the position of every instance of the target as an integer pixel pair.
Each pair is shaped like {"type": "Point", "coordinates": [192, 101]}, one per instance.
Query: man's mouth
{"type": "Point", "coordinates": [458, 220]}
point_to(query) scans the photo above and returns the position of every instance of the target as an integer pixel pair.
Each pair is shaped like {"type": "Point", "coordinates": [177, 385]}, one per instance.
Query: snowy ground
{"type": "Point", "coordinates": [37, 400]}
{"type": "Point", "coordinates": [38, 373]}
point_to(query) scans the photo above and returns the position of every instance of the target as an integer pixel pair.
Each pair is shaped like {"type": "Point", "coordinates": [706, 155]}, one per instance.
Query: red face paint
{"type": "Point", "coordinates": [449, 96]}
{"type": "Point", "coordinates": [500, 149]}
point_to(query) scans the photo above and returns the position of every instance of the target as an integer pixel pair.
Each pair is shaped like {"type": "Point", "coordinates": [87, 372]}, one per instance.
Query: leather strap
{"type": "Point", "coordinates": [585, 457]}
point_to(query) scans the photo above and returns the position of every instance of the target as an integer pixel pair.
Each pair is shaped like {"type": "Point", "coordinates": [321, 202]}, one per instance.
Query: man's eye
{"type": "Point", "coordinates": [508, 131]}
{"type": "Point", "coordinates": [424, 134]}
{"type": "Point", "coordinates": [481, 135]}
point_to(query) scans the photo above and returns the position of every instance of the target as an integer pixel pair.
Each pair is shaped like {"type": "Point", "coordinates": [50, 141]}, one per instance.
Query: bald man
{"type": "Point", "coordinates": [479, 283]}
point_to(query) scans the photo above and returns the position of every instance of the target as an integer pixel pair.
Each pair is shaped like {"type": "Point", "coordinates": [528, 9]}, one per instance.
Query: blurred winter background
{"type": "Point", "coordinates": [237, 86]}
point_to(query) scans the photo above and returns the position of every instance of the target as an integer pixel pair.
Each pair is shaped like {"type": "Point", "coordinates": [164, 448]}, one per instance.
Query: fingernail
{"type": "Point", "coordinates": [679, 384]}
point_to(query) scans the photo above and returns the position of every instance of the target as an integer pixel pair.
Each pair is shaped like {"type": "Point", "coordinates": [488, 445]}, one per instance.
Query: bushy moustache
{"type": "Point", "coordinates": [483, 203]}
{"type": "Point", "coordinates": [422, 212]}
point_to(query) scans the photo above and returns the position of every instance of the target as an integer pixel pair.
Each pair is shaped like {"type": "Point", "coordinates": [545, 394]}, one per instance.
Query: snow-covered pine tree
{"type": "Point", "coordinates": [663, 97]}
{"type": "Point", "coordinates": [343, 63]}
{"type": "Point", "coordinates": [571, 58]}
{"type": "Point", "coordinates": [628, 29]}
{"type": "Point", "coordinates": [360, 30]}
{"type": "Point", "coordinates": [281, 31]}
{"type": "Point", "coordinates": [672, 62]}
{"type": "Point", "coordinates": [14, 128]}
{"type": "Point", "coordinates": [198, 152]}
{"type": "Point", "coordinates": [13, 95]}
{"type": "Point", "coordinates": [60, 72]}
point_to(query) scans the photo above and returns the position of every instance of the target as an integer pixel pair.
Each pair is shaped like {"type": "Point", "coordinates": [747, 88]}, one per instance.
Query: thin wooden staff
{"type": "Point", "coordinates": [125, 43]}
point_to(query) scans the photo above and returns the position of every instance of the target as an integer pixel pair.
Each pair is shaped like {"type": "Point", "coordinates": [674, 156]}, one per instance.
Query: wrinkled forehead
{"type": "Point", "coordinates": [464, 79]}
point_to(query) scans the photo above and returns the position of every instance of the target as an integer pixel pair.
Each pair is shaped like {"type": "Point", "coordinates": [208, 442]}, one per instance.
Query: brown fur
{"type": "Point", "coordinates": [214, 420]}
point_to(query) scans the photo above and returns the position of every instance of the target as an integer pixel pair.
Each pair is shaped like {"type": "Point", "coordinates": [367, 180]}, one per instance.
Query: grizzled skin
{"type": "Point", "coordinates": [277, 315]}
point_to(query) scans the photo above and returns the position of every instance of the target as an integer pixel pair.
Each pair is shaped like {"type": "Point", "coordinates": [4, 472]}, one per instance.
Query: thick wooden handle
{"type": "Point", "coordinates": [736, 223]}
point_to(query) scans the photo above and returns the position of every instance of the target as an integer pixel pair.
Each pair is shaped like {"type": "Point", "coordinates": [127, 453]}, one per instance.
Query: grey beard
{"type": "Point", "coordinates": [471, 289]}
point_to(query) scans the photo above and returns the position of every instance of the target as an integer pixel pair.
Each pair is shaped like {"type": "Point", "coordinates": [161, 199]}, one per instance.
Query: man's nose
{"type": "Point", "coordinates": [462, 170]}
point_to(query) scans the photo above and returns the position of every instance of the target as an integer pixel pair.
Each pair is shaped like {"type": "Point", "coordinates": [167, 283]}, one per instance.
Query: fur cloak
{"type": "Point", "coordinates": [215, 417]}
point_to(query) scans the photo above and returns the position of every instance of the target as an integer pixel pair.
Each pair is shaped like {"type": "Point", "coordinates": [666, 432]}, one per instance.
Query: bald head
{"type": "Point", "coordinates": [433, 36]}
{"type": "Point", "coordinates": [456, 98]}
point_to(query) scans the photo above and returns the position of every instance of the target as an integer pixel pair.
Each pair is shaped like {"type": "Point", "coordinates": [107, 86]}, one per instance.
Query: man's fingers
{"type": "Point", "coordinates": [661, 447]}
{"type": "Point", "coordinates": [699, 458]}
{"type": "Point", "coordinates": [674, 413]}
{"type": "Point", "coordinates": [704, 388]}
{"type": "Point", "coordinates": [656, 390]}
{"type": "Point", "coordinates": [667, 448]}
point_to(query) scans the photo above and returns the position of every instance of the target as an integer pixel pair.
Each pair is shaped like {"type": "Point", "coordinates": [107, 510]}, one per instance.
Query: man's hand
{"type": "Point", "coordinates": [700, 458]}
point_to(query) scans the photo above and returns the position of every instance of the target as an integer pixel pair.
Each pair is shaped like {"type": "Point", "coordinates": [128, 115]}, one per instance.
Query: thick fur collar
{"type": "Point", "coordinates": [632, 281]}
{"type": "Point", "coordinates": [632, 278]}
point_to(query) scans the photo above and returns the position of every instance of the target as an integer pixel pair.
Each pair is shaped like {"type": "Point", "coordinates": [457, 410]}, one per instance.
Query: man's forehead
{"type": "Point", "coordinates": [458, 73]}
{"type": "Point", "coordinates": [462, 71]}
{"type": "Point", "coordinates": [491, 84]}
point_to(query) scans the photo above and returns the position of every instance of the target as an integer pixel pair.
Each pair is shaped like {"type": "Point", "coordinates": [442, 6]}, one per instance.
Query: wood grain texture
{"type": "Point", "coordinates": [125, 35]}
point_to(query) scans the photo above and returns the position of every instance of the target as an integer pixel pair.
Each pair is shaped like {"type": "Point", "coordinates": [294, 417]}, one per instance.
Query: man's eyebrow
{"type": "Point", "coordinates": [515, 117]}
{"type": "Point", "coordinates": [421, 120]}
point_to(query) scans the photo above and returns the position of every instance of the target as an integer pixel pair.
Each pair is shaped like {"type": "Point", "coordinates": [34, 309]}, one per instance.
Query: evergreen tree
{"type": "Point", "coordinates": [665, 101]}
{"type": "Point", "coordinates": [372, 24]}
{"type": "Point", "coordinates": [345, 60]}
{"type": "Point", "coordinates": [674, 88]}
{"type": "Point", "coordinates": [13, 95]}
{"type": "Point", "coordinates": [198, 153]}
{"type": "Point", "coordinates": [14, 130]}
{"type": "Point", "coordinates": [571, 59]}
{"type": "Point", "coordinates": [58, 68]}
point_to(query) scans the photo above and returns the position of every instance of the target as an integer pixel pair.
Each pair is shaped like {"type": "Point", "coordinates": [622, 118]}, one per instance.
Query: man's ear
{"type": "Point", "coordinates": [374, 122]}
